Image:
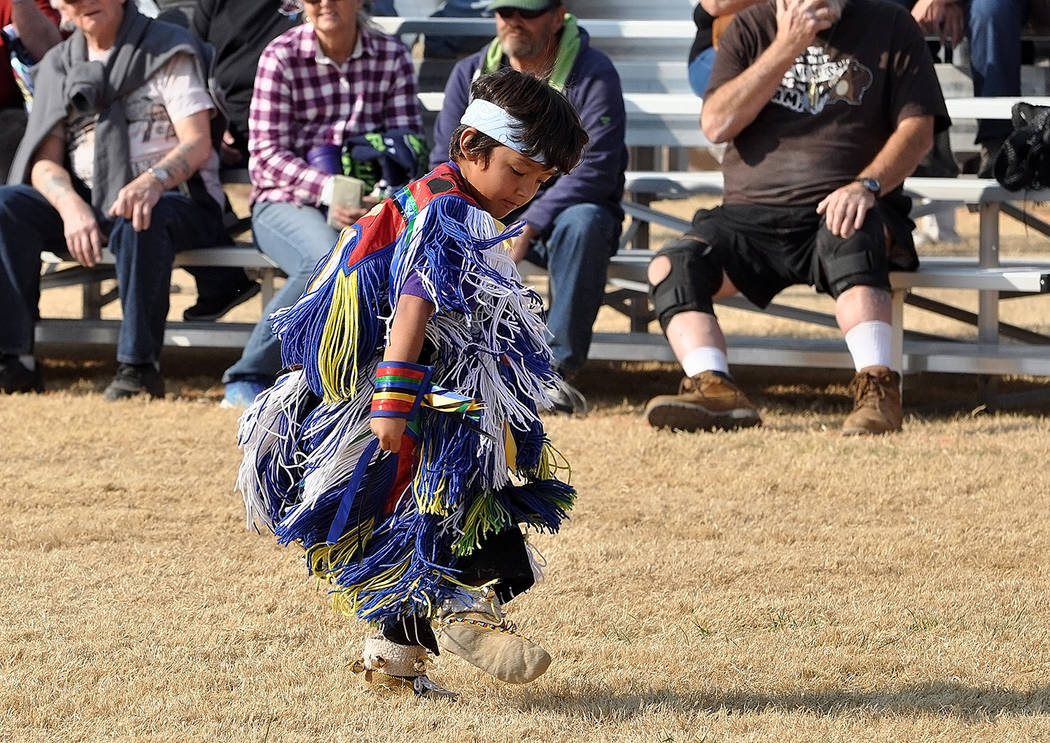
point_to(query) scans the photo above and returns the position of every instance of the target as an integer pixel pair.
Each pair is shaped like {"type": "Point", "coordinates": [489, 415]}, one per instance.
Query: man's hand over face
{"type": "Point", "coordinates": [799, 21]}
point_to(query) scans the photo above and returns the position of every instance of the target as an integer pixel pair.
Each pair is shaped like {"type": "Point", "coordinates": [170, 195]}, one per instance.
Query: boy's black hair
{"type": "Point", "coordinates": [552, 128]}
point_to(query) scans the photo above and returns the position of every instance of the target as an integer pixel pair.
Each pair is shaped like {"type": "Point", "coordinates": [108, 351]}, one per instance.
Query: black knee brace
{"type": "Point", "coordinates": [695, 277]}
{"type": "Point", "coordinates": [860, 260]}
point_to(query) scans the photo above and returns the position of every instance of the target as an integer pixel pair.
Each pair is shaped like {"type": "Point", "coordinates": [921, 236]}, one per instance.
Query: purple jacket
{"type": "Point", "coordinates": [593, 87]}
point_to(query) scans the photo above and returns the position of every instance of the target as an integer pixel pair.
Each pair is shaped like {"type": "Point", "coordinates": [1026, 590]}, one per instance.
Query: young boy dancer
{"type": "Point", "coordinates": [403, 451]}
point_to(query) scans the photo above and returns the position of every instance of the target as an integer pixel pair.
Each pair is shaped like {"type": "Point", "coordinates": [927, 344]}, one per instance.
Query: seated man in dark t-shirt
{"type": "Point", "coordinates": [827, 105]}
{"type": "Point", "coordinates": [239, 30]}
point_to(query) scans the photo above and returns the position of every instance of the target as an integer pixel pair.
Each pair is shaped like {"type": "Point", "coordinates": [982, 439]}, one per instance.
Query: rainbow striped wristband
{"type": "Point", "coordinates": [400, 386]}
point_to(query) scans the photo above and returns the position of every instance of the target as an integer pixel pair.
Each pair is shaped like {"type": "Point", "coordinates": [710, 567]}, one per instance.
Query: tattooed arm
{"type": "Point", "coordinates": [137, 199]}
{"type": "Point", "coordinates": [50, 177]}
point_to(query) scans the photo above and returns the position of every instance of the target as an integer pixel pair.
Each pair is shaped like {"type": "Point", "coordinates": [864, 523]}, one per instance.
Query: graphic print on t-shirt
{"type": "Point", "coordinates": [816, 80]}
{"type": "Point", "coordinates": [151, 135]}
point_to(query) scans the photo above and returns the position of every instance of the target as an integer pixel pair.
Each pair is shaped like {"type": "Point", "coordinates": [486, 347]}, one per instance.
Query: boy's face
{"type": "Point", "coordinates": [509, 181]}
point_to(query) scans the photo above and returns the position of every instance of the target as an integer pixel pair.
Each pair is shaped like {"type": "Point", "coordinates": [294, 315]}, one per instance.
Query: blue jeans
{"type": "Point", "coordinates": [296, 238]}
{"type": "Point", "coordinates": [29, 224]}
{"type": "Point", "coordinates": [700, 71]}
{"type": "Point", "coordinates": [576, 254]}
{"type": "Point", "coordinates": [994, 28]}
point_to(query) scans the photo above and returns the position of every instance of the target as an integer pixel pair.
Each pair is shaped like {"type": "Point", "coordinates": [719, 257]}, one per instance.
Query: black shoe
{"type": "Point", "coordinates": [15, 377]}
{"type": "Point", "coordinates": [135, 379]}
{"type": "Point", "coordinates": [208, 309]}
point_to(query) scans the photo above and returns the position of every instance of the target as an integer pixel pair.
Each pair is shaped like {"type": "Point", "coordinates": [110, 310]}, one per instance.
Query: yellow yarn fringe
{"type": "Point", "coordinates": [485, 515]}
{"type": "Point", "coordinates": [321, 557]}
{"type": "Point", "coordinates": [347, 601]}
{"type": "Point", "coordinates": [337, 354]}
{"type": "Point", "coordinates": [511, 447]}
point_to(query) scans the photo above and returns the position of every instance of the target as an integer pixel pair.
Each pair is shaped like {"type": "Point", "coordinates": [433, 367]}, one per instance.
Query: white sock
{"type": "Point", "coordinates": [869, 344]}
{"type": "Point", "coordinates": [705, 358]}
{"type": "Point", "coordinates": [27, 360]}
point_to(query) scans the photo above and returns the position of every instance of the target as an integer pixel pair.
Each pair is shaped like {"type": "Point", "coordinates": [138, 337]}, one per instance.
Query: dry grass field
{"type": "Point", "coordinates": [775, 584]}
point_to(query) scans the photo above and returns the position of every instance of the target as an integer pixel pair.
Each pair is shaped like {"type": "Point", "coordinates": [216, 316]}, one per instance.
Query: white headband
{"type": "Point", "coordinates": [490, 119]}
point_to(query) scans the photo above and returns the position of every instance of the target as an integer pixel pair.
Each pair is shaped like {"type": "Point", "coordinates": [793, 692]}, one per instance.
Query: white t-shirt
{"type": "Point", "coordinates": [173, 94]}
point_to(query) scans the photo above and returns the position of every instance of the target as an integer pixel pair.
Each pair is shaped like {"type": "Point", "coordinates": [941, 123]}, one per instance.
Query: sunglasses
{"type": "Point", "coordinates": [508, 13]}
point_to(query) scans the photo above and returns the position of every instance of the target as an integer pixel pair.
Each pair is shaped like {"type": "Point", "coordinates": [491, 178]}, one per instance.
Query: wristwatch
{"type": "Point", "coordinates": [162, 175]}
{"type": "Point", "coordinates": [872, 184]}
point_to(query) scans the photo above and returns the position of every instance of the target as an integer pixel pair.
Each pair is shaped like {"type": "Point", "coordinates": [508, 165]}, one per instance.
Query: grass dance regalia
{"type": "Point", "coordinates": [386, 530]}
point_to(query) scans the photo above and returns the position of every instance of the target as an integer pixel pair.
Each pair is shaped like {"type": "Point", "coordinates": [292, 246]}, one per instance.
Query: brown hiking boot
{"type": "Point", "coordinates": [705, 402]}
{"type": "Point", "coordinates": [876, 402]}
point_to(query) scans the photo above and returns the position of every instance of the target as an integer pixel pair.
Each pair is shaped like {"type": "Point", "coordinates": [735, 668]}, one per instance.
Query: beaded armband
{"type": "Point", "coordinates": [400, 386]}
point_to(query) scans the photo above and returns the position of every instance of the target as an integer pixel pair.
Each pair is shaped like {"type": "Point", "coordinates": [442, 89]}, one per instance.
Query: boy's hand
{"type": "Point", "coordinates": [389, 432]}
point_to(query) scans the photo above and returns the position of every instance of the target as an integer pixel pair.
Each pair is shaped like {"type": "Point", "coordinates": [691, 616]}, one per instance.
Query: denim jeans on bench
{"type": "Point", "coordinates": [296, 238]}
{"type": "Point", "coordinates": [29, 225]}
{"type": "Point", "coordinates": [576, 255]}
{"type": "Point", "coordinates": [994, 30]}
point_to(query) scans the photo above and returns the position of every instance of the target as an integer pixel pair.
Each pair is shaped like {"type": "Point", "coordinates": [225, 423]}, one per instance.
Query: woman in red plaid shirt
{"type": "Point", "coordinates": [319, 84]}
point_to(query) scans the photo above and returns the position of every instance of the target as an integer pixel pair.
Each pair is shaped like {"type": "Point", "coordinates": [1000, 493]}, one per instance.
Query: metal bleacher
{"type": "Point", "coordinates": [648, 44]}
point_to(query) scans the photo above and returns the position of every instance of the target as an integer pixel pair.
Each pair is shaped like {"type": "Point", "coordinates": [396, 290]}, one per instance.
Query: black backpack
{"type": "Point", "coordinates": [1024, 160]}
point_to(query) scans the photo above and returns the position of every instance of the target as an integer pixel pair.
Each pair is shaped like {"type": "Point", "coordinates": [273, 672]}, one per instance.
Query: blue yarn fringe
{"type": "Point", "coordinates": [530, 445]}
{"type": "Point", "coordinates": [447, 249]}
{"type": "Point", "coordinates": [367, 502]}
{"type": "Point", "coordinates": [301, 326]}
{"type": "Point", "coordinates": [448, 461]}
{"type": "Point", "coordinates": [407, 540]}
{"type": "Point", "coordinates": [279, 467]}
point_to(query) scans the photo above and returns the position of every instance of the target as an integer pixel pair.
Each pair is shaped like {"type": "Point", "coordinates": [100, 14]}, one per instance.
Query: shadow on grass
{"type": "Point", "coordinates": [792, 391]}
{"type": "Point", "coordinates": [946, 698]}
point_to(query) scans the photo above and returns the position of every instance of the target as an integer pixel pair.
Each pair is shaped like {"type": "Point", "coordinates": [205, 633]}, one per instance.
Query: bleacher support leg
{"type": "Point", "coordinates": [91, 300]}
{"type": "Point", "coordinates": [988, 301]}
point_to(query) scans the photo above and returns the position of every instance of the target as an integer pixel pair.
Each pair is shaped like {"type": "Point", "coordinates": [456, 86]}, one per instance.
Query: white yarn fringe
{"type": "Point", "coordinates": [258, 435]}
